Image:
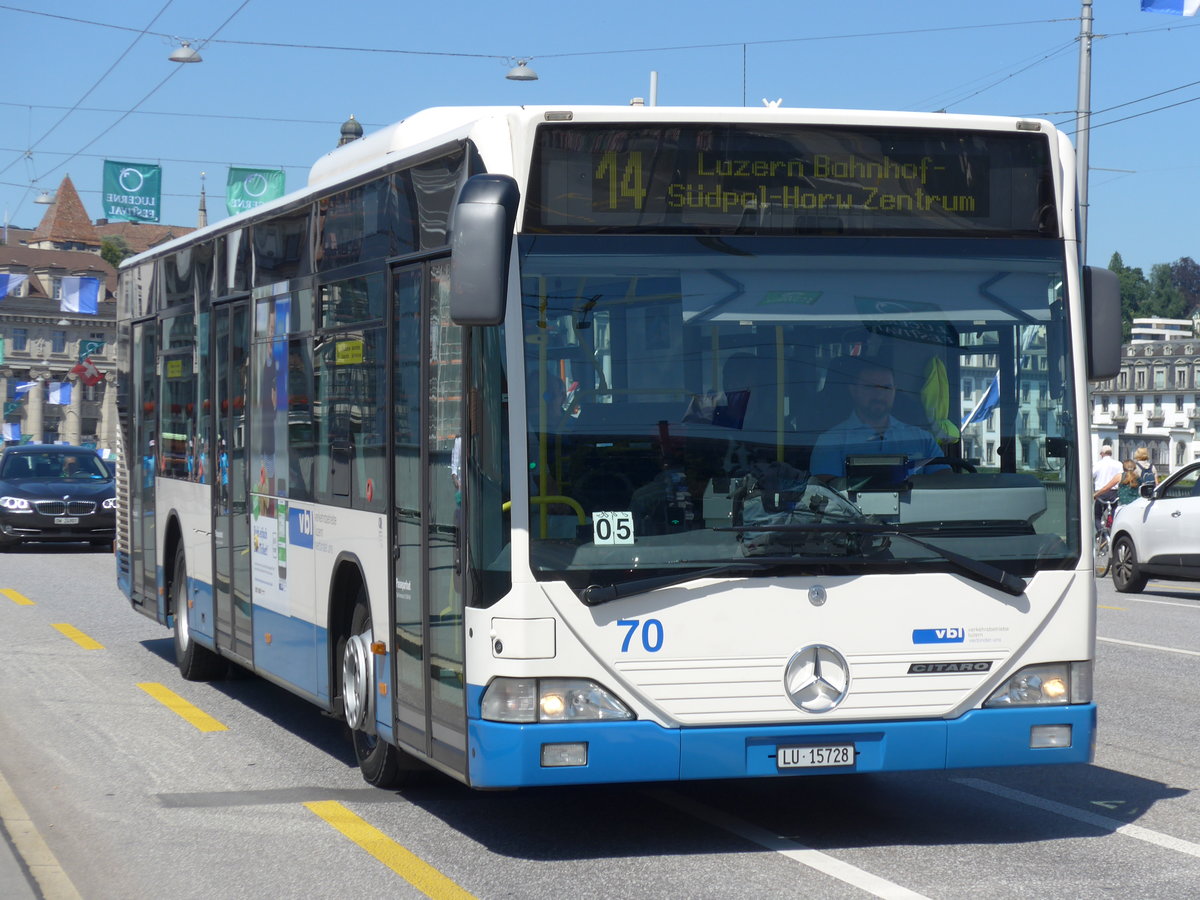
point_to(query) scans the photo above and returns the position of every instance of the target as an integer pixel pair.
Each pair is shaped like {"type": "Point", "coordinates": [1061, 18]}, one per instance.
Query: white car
{"type": "Point", "coordinates": [1159, 533]}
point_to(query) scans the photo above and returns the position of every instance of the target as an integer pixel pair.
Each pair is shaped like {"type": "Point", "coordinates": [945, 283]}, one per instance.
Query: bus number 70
{"type": "Point", "coordinates": [652, 634]}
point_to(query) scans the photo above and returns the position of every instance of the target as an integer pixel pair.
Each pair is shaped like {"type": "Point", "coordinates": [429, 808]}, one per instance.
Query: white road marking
{"type": "Point", "coordinates": [1103, 822]}
{"type": "Point", "coordinates": [1149, 646]}
{"type": "Point", "coordinates": [814, 859]}
{"type": "Point", "coordinates": [1161, 602]}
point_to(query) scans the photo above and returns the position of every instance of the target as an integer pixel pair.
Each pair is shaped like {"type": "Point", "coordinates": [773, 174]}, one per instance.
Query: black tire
{"type": "Point", "coordinates": [382, 764]}
{"type": "Point", "coordinates": [195, 663]}
{"type": "Point", "coordinates": [1128, 578]}
{"type": "Point", "coordinates": [1102, 554]}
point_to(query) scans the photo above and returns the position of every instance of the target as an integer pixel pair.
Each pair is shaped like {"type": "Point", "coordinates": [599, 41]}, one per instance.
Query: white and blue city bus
{"type": "Point", "coordinates": [525, 439]}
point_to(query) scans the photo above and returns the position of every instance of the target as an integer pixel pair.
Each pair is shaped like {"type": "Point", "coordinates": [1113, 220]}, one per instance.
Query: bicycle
{"type": "Point", "coordinates": [1102, 548]}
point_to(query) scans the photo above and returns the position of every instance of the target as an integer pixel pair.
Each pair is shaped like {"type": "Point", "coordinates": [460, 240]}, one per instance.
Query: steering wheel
{"type": "Point", "coordinates": [958, 465]}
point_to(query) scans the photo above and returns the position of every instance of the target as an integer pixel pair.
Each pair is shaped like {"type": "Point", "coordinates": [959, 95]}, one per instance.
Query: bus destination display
{"type": "Point", "coordinates": [789, 178]}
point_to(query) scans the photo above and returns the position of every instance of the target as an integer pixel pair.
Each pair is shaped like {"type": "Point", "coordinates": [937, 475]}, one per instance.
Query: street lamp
{"type": "Point", "coordinates": [521, 72]}
{"type": "Point", "coordinates": [185, 53]}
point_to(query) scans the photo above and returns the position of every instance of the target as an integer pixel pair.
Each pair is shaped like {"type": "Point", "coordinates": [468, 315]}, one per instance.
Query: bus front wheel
{"type": "Point", "coordinates": [381, 764]}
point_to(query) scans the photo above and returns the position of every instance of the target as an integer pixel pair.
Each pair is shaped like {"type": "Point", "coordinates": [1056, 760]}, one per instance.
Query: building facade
{"type": "Point", "coordinates": [1153, 401]}
{"type": "Point", "coordinates": [41, 345]}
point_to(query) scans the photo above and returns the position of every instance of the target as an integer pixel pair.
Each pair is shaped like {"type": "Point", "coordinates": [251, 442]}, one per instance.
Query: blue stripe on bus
{"type": "Point", "coordinates": [202, 621]}
{"type": "Point", "coordinates": [297, 651]}
{"type": "Point", "coordinates": [505, 755]}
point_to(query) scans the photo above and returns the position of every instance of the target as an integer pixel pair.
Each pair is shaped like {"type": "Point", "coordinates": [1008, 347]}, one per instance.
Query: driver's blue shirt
{"type": "Point", "coordinates": [854, 437]}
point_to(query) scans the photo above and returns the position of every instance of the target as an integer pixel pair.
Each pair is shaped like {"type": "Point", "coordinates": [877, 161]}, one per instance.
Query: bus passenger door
{"type": "Point", "coordinates": [231, 523]}
{"type": "Point", "coordinates": [143, 467]}
{"type": "Point", "coordinates": [408, 583]}
{"type": "Point", "coordinates": [427, 374]}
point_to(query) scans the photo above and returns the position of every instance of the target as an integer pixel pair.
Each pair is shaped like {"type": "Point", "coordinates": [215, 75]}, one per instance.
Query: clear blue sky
{"type": "Point", "coordinates": [281, 106]}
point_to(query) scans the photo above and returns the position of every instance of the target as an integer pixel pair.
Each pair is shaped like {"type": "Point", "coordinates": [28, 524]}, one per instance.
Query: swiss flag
{"type": "Point", "coordinates": [87, 372]}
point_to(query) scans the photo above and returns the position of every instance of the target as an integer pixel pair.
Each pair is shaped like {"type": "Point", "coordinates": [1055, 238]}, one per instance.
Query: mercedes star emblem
{"type": "Point", "coordinates": [817, 678]}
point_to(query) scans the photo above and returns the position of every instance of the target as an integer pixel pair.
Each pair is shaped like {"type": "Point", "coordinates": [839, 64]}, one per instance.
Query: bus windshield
{"type": "Point", "coordinates": [695, 401]}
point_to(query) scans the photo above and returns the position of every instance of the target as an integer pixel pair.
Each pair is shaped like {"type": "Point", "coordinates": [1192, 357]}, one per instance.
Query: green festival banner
{"type": "Point", "coordinates": [132, 191]}
{"type": "Point", "coordinates": [248, 188]}
{"type": "Point", "coordinates": [89, 347]}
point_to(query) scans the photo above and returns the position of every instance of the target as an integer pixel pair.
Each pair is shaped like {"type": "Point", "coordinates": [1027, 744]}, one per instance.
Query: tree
{"type": "Point", "coordinates": [1185, 275]}
{"type": "Point", "coordinates": [1164, 299]}
{"type": "Point", "coordinates": [1134, 292]}
{"type": "Point", "coordinates": [113, 249]}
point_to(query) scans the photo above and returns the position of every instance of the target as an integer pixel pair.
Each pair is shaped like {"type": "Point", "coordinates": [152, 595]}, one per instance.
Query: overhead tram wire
{"type": "Point", "coordinates": [1145, 113]}
{"type": "Point", "coordinates": [932, 101]}
{"type": "Point", "coordinates": [95, 84]}
{"type": "Point", "coordinates": [215, 40]}
{"type": "Point", "coordinates": [1139, 100]}
{"type": "Point", "coordinates": [330, 47]}
{"type": "Point", "coordinates": [195, 115]}
{"type": "Point", "coordinates": [1056, 51]}
{"type": "Point", "coordinates": [146, 97]}
{"type": "Point", "coordinates": [796, 40]}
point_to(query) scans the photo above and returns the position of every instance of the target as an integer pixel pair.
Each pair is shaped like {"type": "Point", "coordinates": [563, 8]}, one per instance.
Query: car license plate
{"type": "Point", "coordinates": [814, 757]}
{"type": "Point", "coordinates": [66, 520]}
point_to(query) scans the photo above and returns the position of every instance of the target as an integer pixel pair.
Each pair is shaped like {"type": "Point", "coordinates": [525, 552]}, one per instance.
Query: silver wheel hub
{"type": "Point", "coordinates": [181, 618]}
{"type": "Point", "coordinates": [356, 680]}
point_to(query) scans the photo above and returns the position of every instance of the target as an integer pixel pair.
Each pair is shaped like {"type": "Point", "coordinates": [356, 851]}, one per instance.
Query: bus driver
{"type": "Point", "coordinates": [871, 429]}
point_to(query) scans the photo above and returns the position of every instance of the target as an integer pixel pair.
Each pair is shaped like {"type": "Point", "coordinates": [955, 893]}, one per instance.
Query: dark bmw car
{"type": "Point", "coordinates": [53, 492]}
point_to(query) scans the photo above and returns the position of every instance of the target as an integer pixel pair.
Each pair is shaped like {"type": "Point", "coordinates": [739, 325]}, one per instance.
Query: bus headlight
{"type": "Point", "coordinates": [1046, 684]}
{"type": "Point", "coordinates": [550, 700]}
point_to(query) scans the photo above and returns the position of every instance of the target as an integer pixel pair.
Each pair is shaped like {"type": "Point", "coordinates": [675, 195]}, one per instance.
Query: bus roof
{"type": "Point", "coordinates": [435, 127]}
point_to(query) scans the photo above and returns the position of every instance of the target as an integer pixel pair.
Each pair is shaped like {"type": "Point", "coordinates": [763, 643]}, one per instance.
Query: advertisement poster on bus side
{"type": "Point", "coordinates": [268, 549]}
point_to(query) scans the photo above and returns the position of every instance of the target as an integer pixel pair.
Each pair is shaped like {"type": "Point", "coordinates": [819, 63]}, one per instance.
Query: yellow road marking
{"type": "Point", "coordinates": [186, 711]}
{"type": "Point", "coordinates": [19, 599]}
{"type": "Point", "coordinates": [1168, 586]}
{"type": "Point", "coordinates": [41, 863]}
{"type": "Point", "coordinates": [78, 636]}
{"type": "Point", "coordinates": [1118, 608]}
{"type": "Point", "coordinates": [424, 877]}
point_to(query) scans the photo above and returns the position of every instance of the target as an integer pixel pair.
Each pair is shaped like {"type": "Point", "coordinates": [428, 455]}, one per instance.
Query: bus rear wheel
{"type": "Point", "coordinates": [381, 764]}
{"type": "Point", "coordinates": [195, 663]}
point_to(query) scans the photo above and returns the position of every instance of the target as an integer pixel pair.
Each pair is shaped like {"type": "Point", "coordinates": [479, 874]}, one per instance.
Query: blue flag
{"type": "Point", "coordinates": [10, 283]}
{"type": "Point", "coordinates": [80, 295]}
{"type": "Point", "coordinates": [59, 393]}
{"type": "Point", "coordinates": [989, 401]}
{"type": "Point", "coordinates": [1172, 7]}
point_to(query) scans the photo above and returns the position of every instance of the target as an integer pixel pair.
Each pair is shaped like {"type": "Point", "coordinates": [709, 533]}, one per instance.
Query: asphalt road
{"type": "Point", "coordinates": [133, 800]}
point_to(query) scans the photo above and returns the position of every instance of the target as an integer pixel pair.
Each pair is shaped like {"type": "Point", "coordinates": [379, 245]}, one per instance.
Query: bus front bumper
{"type": "Point", "coordinates": [503, 755]}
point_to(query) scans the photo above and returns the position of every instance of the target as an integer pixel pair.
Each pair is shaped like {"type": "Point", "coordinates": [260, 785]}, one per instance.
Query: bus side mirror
{"type": "Point", "coordinates": [1102, 319]}
{"type": "Point", "coordinates": [480, 247]}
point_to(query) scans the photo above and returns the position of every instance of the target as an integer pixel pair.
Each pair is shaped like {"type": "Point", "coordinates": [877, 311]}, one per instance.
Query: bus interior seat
{"type": "Point", "coordinates": [757, 377]}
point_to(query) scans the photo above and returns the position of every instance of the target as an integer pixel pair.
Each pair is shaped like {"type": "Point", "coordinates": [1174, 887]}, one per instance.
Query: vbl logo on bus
{"type": "Point", "coordinates": [300, 527]}
{"type": "Point", "coordinates": [939, 635]}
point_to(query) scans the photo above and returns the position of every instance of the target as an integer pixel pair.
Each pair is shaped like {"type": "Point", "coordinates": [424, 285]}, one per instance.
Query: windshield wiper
{"type": "Point", "coordinates": [595, 594]}
{"type": "Point", "coordinates": [984, 573]}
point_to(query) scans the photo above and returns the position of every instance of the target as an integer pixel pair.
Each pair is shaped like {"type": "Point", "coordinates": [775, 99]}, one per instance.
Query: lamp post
{"type": "Point", "coordinates": [1083, 126]}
